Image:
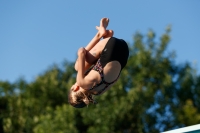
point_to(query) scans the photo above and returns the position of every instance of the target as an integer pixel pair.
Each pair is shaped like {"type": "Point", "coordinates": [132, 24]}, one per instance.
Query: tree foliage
{"type": "Point", "coordinates": [153, 94]}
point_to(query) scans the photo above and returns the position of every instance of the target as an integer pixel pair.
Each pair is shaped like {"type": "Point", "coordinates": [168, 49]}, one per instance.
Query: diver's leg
{"type": "Point", "coordinates": [101, 32]}
{"type": "Point", "coordinates": [92, 54]}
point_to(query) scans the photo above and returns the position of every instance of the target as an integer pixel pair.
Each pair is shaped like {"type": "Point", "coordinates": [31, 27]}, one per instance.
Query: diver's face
{"type": "Point", "coordinates": [76, 88]}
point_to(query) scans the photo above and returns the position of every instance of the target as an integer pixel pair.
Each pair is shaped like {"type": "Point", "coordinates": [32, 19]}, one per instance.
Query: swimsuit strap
{"type": "Point", "coordinates": [98, 67]}
{"type": "Point", "coordinates": [86, 73]}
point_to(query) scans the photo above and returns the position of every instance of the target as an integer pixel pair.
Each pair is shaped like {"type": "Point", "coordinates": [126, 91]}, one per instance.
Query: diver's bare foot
{"type": "Point", "coordinates": [102, 28]}
{"type": "Point", "coordinates": [104, 22]}
{"type": "Point", "coordinates": [109, 33]}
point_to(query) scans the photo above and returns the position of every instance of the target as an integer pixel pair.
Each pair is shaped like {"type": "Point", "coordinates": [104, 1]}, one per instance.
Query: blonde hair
{"type": "Point", "coordinates": [79, 99]}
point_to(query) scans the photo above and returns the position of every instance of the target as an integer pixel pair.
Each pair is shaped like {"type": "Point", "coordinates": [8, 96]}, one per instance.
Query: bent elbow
{"type": "Point", "coordinates": [75, 68]}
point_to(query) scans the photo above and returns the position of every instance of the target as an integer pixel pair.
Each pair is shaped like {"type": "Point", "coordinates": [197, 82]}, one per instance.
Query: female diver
{"type": "Point", "coordinates": [98, 66]}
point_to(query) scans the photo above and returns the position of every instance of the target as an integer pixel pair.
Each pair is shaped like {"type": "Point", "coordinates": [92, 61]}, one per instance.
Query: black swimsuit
{"type": "Point", "coordinates": [115, 50]}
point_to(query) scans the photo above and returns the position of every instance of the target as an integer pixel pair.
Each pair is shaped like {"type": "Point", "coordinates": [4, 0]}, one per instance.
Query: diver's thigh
{"type": "Point", "coordinates": [95, 52]}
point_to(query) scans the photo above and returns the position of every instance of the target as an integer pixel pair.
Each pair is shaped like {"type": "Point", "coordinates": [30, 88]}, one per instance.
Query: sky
{"type": "Point", "coordinates": [34, 35]}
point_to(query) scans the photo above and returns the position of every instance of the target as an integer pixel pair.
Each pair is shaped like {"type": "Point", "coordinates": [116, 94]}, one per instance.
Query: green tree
{"type": "Point", "coordinates": [59, 120]}
{"type": "Point", "coordinates": [153, 94]}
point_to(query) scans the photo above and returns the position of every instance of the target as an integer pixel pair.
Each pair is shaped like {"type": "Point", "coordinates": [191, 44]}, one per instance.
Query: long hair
{"type": "Point", "coordinates": [80, 99]}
